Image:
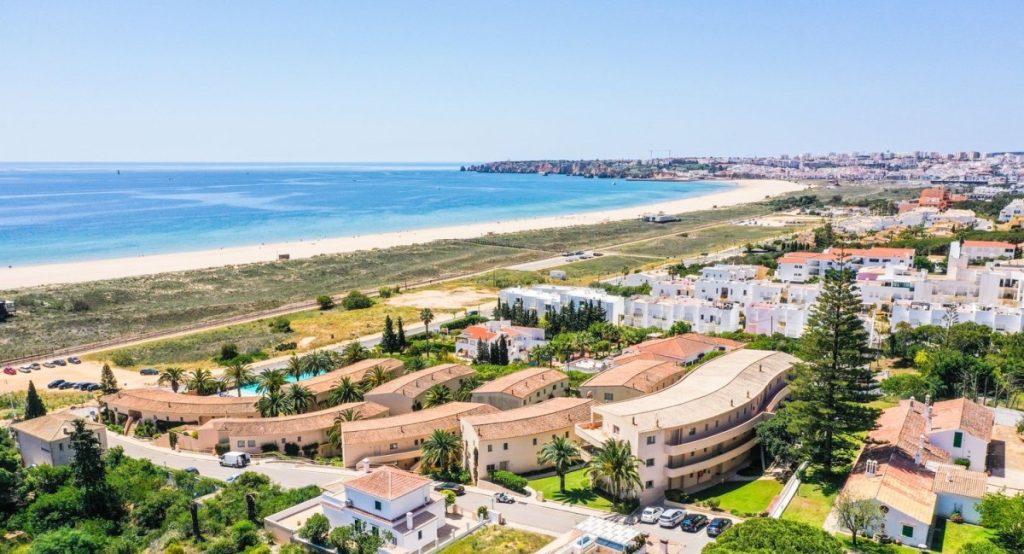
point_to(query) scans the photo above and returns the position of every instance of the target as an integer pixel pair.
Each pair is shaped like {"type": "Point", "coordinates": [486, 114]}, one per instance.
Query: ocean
{"type": "Point", "coordinates": [71, 212]}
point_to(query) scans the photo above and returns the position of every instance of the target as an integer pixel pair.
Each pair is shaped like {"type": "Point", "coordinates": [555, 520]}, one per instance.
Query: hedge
{"type": "Point", "coordinates": [509, 480]}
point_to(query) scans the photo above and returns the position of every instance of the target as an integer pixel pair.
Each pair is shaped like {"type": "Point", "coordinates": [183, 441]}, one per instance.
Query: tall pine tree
{"type": "Point", "coordinates": [108, 383]}
{"type": "Point", "coordinates": [33, 404]}
{"type": "Point", "coordinates": [831, 390]}
{"type": "Point", "coordinates": [483, 352]}
{"type": "Point", "coordinates": [388, 340]}
{"type": "Point", "coordinates": [400, 338]}
{"type": "Point", "coordinates": [502, 350]}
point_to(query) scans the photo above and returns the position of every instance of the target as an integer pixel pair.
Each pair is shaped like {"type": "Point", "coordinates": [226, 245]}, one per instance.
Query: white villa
{"type": "Point", "coordinates": [521, 340]}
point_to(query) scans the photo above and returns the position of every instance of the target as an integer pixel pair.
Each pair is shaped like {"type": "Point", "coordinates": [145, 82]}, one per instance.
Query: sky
{"type": "Point", "coordinates": [478, 81]}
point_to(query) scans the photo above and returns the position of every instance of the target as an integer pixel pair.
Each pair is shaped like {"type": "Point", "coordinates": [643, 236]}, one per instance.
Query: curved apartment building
{"type": "Point", "coordinates": [697, 432]}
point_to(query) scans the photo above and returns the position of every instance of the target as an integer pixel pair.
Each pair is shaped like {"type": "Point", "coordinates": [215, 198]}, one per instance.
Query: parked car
{"type": "Point", "coordinates": [25, 369]}
{"type": "Point", "coordinates": [693, 522]}
{"type": "Point", "coordinates": [191, 469]}
{"type": "Point", "coordinates": [59, 362]}
{"type": "Point", "coordinates": [671, 517]}
{"type": "Point", "coordinates": [75, 360]}
{"type": "Point", "coordinates": [34, 365]}
{"type": "Point", "coordinates": [458, 489]}
{"type": "Point", "coordinates": [149, 371]}
{"type": "Point", "coordinates": [92, 387]}
{"type": "Point", "coordinates": [232, 478]}
{"type": "Point", "coordinates": [235, 459]}
{"type": "Point", "coordinates": [55, 384]}
{"type": "Point", "coordinates": [67, 385]}
{"type": "Point", "coordinates": [505, 498]}
{"type": "Point", "coordinates": [10, 371]}
{"type": "Point", "coordinates": [83, 385]}
{"type": "Point", "coordinates": [651, 514]}
{"type": "Point", "coordinates": [49, 364]}
{"type": "Point", "coordinates": [718, 526]}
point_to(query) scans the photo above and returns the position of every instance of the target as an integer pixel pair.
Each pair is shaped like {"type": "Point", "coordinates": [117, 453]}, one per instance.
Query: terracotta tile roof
{"type": "Point", "coordinates": [522, 384]}
{"type": "Point", "coordinates": [54, 426]}
{"type": "Point", "coordinates": [964, 414]}
{"type": "Point", "coordinates": [835, 254]}
{"type": "Point", "coordinates": [990, 244]}
{"type": "Point", "coordinates": [478, 332]}
{"type": "Point", "coordinates": [640, 374]}
{"type": "Point", "coordinates": [683, 348]}
{"type": "Point", "coordinates": [412, 424]}
{"type": "Point", "coordinates": [417, 383]}
{"type": "Point", "coordinates": [307, 422]}
{"type": "Point", "coordinates": [713, 388]}
{"type": "Point", "coordinates": [323, 383]}
{"type": "Point", "coordinates": [954, 479]}
{"type": "Point", "coordinates": [903, 426]}
{"type": "Point", "coordinates": [165, 401]}
{"type": "Point", "coordinates": [388, 483]}
{"type": "Point", "coordinates": [543, 417]}
{"type": "Point", "coordinates": [897, 482]}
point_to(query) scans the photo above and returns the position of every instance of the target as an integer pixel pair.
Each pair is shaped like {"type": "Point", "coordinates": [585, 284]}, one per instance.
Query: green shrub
{"type": "Point", "coordinates": [291, 448]}
{"type": "Point", "coordinates": [286, 346]}
{"type": "Point", "coordinates": [122, 358]}
{"type": "Point", "coordinates": [310, 450]}
{"type": "Point", "coordinates": [356, 300]}
{"type": "Point", "coordinates": [269, 447]}
{"type": "Point", "coordinates": [280, 325]}
{"type": "Point", "coordinates": [462, 322]}
{"type": "Point", "coordinates": [962, 462]}
{"type": "Point", "coordinates": [509, 480]}
{"type": "Point", "coordinates": [221, 448]}
{"type": "Point", "coordinates": [325, 302]}
{"type": "Point", "coordinates": [315, 529]}
{"type": "Point", "coordinates": [228, 351]}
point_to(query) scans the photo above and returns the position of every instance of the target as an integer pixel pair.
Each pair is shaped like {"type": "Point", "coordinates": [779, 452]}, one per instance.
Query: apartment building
{"type": "Point", "coordinates": [702, 315]}
{"type": "Point", "coordinates": [631, 379]}
{"type": "Point", "coordinates": [975, 250]}
{"type": "Point", "coordinates": [520, 340]}
{"type": "Point", "coordinates": [522, 388]}
{"type": "Point", "coordinates": [680, 349]}
{"type": "Point", "coordinates": [540, 298]}
{"type": "Point", "coordinates": [700, 430]}
{"type": "Point", "coordinates": [46, 439]}
{"type": "Point", "coordinates": [130, 405]}
{"type": "Point", "coordinates": [321, 385]}
{"type": "Point", "coordinates": [1014, 209]}
{"type": "Point", "coordinates": [407, 393]}
{"type": "Point", "coordinates": [799, 267]}
{"type": "Point", "coordinates": [512, 440]}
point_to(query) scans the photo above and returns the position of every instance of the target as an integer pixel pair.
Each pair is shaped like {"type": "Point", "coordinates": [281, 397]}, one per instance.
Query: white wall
{"type": "Point", "coordinates": [972, 448]}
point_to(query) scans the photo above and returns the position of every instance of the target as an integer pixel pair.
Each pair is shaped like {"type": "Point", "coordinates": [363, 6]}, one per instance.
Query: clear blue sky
{"type": "Point", "coordinates": [453, 81]}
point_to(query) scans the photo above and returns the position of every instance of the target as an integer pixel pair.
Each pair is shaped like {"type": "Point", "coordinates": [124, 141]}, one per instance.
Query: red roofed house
{"type": "Point", "coordinates": [923, 461]}
{"type": "Point", "coordinates": [800, 267]}
{"type": "Point", "coordinates": [521, 340]}
{"type": "Point", "coordinates": [987, 249]}
{"type": "Point", "coordinates": [936, 197]}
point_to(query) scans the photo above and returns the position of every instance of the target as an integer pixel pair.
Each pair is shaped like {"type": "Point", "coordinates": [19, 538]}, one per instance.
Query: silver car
{"type": "Point", "coordinates": [651, 514]}
{"type": "Point", "coordinates": [671, 517]}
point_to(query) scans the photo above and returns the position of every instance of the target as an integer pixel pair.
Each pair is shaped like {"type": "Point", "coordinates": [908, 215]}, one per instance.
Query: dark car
{"type": "Point", "coordinates": [693, 522]}
{"type": "Point", "coordinates": [75, 360]}
{"type": "Point", "coordinates": [92, 387]}
{"type": "Point", "coordinates": [718, 526]}
{"type": "Point", "coordinates": [149, 371]}
{"type": "Point", "coordinates": [191, 469]}
{"type": "Point", "coordinates": [60, 362]}
{"type": "Point", "coordinates": [55, 384]}
{"type": "Point", "coordinates": [67, 385]}
{"type": "Point", "coordinates": [458, 489]}
{"type": "Point", "coordinates": [83, 385]}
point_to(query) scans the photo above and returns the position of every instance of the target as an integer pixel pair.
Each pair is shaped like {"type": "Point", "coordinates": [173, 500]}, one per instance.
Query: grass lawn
{"type": "Point", "coordinates": [577, 490]}
{"type": "Point", "coordinates": [750, 497]}
{"type": "Point", "coordinates": [951, 537]}
{"type": "Point", "coordinates": [811, 504]}
{"type": "Point", "coordinates": [493, 538]}
{"type": "Point", "coordinates": [866, 546]}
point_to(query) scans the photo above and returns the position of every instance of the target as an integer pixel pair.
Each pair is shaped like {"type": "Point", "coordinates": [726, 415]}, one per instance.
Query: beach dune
{"type": "Point", "coordinates": [94, 270]}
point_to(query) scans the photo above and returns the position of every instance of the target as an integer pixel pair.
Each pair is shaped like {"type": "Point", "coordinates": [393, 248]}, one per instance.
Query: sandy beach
{"type": "Point", "coordinates": [93, 270]}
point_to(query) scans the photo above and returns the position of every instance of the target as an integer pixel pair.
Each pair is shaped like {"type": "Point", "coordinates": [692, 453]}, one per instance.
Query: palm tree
{"type": "Point", "coordinates": [344, 416]}
{"type": "Point", "coordinates": [300, 398]}
{"type": "Point", "coordinates": [376, 377]}
{"type": "Point", "coordinates": [237, 374]}
{"type": "Point", "coordinates": [426, 316]}
{"type": "Point", "coordinates": [173, 376]}
{"type": "Point", "coordinates": [295, 367]}
{"type": "Point", "coordinates": [437, 395]}
{"type": "Point", "coordinates": [201, 381]}
{"type": "Point", "coordinates": [271, 380]}
{"type": "Point", "coordinates": [354, 352]}
{"type": "Point", "coordinates": [614, 465]}
{"type": "Point", "coordinates": [563, 454]}
{"type": "Point", "coordinates": [344, 391]}
{"type": "Point", "coordinates": [319, 361]}
{"type": "Point", "coordinates": [274, 403]}
{"type": "Point", "coordinates": [442, 451]}
{"type": "Point", "coordinates": [466, 387]}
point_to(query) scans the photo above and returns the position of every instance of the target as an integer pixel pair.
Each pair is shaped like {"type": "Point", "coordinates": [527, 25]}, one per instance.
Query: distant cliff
{"type": "Point", "coordinates": [674, 168]}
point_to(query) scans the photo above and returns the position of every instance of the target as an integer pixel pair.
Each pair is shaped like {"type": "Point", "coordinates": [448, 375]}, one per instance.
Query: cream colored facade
{"type": "Point", "coordinates": [46, 440]}
{"type": "Point", "coordinates": [634, 378]}
{"type": "Point", "coordinates": [700, 430]}
{"type": "Point", "coordinates": [404, 394]}
{"type": "Point", "coordinates": [511, 440]}
{"type": "Point", "coordinates": [321, 385]}
{"type": "Point", "coordinates": [522, 388]}
{"type": "Point", "coordinates": [398, 439]}
{"type": "Point", "coordinates": [169, 407]}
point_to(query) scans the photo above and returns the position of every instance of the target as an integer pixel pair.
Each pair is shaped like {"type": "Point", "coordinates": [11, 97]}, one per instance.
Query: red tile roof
{"type": "Point", "coordinates": [388, 483]}
{"type": "Point", "coordinates": [990, 244]}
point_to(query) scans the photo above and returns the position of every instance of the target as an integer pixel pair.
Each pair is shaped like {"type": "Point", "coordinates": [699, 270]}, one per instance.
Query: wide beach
{"type": "Point", "coordinates": [73, 272]}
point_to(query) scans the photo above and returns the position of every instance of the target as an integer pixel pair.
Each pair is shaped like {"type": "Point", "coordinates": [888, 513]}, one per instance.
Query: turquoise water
{"type": "Point", "coordinates": [61, 212]}
{"type": "Point", "coordinates": [250, 390]}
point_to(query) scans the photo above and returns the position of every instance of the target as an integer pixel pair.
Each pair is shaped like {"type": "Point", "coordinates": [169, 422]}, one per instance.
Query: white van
{"type": "Point", "coordinates": [235, 459]}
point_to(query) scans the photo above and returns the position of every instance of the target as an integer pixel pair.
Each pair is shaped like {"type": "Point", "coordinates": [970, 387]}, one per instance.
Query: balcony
{"type": "Point", "coordinates": [685, 469]}
{"type": "Point", "coordinates": [592, 433]}
{"type": "Point", "coordinates": [722, 436]}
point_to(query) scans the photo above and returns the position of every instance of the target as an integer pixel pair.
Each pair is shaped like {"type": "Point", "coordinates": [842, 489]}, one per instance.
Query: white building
{"type": "Point", "coordinates": [975, 250]}
{"type": "Point", "coordinates": [702, 315]}
{"type": "Point", "coordinates": [390, 500]}
{"type": "Point", "coordinates": [46, 439]}
{"type": "Point", "coordinates": [1014, 209]}
{"type": "Point", "coordinates": [520, 340]}
{"type": "Point", "coordinates": [541, 297]}
{"type": "Point", "coordinates": [799, 267]}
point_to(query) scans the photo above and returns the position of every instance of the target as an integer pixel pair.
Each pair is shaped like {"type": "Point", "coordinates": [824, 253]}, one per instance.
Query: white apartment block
{"type": "Point", "coordinates": [702, 315]}
{"type": "Point", "coordinates": [799, 267]}
{"type": "Point", "coordinates": [984, 249]}
{"type": "Point", "coordinates": [542, 297]}
{"type": "Point", "coordinates": [1009, 319]}
{"type": "Point", "coordinates": [1014, 209]}
{"type": "Point", "coordinates": [700, 430]}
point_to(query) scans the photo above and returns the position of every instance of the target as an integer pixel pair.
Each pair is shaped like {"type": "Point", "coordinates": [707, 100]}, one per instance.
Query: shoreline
{"type": "Point", "coordinates": [746, 190]}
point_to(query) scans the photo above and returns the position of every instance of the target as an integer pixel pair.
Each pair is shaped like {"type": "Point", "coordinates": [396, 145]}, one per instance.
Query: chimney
{"type": "Point", "coordinates": [364, 465]}
{"type": "Point", "coordinates": [927, 400]}
{"type": "Point", "coordinates": [871, 468]}
{"type": "Point", "coordinates": [408, 520]}
{"type": "Point", "coordinates": [928, 418]}
{"type": "Point", "coordinates": [919, 455]}
{"type": "Point", "coordinates": [664, 546]}
{"type": "Point", "coordinates": [912, 399]}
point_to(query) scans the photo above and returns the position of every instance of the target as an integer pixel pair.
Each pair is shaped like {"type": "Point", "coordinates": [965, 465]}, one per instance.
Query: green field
{"type": "Point", "coordinates": [603, 266]}
{"type": "Point", "coordinates": [493, 538]}
{"type": "Point", "coordinates": [742, 497]}
{"type": "Point", "coordinates": [949, 537]}
{"type": "Point", "coordinates": [811, 504]}
{"type": "Point", "coordinates": [709, 240]}
{"type": "Point", "coordinates": [577, 490]}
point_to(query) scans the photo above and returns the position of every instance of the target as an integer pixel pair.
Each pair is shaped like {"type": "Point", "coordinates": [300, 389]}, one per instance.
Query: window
{"type": "Point", "coordinates": [252, 443]}
{"type": "Point", "coordinates": [693, 431]}
{"type": "Point", "coordinates": [650, 462]}
{"type": "Point", "coordinates": [608, 397]}
{"type": "Point", "coordinates": [566, 434]}
{"type": "Point", "coordinates": [649, 484]}
{"type": "Point", "coordinates": [419, 534]}
{"type": "Point", "coordinates": [298, 439]}
{"type": "Point", "coordinates": [652, 439]}
{"type": "Point", "coordinates": [535, 441]}
{"type": "Point", "coordinates": [490, 468]}
{"type": "Point", "coordinates": [958, 439]}
{"type": "Point", "coordinates": [376, 505]}
{"type": "Point", "coordinates": [393, 446]}
{"type": "Point", "coordinates": [241, 443]}
{"type": "Point", "coordinates": [504, 446]}
{"type": "Point", "coordinates": [908, 531]}
{"type": "Point", "coordinates": [490, 448]}
{"type": "Point", "coordinates": [615, 429]}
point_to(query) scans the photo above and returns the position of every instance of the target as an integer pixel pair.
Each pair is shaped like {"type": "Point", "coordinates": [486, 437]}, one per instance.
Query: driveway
{"type": "Point", "coordinates": [1006, 460]}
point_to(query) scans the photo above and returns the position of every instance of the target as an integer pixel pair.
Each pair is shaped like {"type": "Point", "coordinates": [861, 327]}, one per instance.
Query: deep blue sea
{"type": "Point", "coordinates": [63, 212]}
